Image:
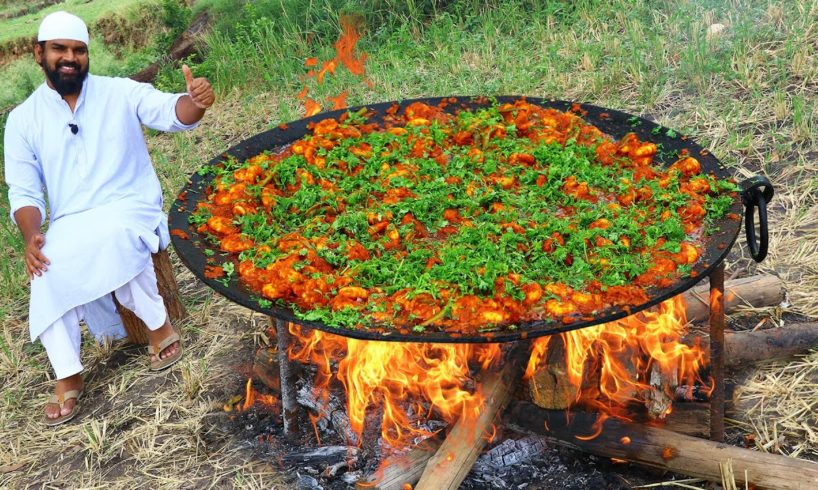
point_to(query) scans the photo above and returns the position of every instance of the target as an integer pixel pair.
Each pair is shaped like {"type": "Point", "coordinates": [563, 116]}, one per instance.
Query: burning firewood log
{"type": "Point", "coordinates": [658, 397]}
{"type": "Point", "coordinates": [550, 387]}
{"type": "Point", "coordinates": [467, 438]}
{"type": "Point", "coordinates": [660, 448]}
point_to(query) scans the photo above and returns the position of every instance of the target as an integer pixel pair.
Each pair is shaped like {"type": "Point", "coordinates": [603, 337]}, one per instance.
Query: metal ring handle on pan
{"type": "Point", "coordinates": [757, 192]}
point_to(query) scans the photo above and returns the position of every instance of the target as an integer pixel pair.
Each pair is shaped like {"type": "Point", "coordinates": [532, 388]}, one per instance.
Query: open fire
{"type": "Point", "coordinates": [634, 362]}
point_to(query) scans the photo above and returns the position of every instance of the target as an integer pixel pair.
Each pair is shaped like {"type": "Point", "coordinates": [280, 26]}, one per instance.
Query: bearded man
{"type": "Point", "coordinates": [78, 139]}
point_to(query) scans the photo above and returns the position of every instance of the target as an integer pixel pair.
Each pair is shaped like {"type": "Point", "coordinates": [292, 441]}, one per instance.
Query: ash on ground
{"type": "Point", "coordinates": [514, 461]}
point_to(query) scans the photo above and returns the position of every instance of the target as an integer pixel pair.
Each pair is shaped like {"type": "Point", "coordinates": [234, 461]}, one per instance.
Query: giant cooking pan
{"type": "Point", "coordinates": [196, 253]}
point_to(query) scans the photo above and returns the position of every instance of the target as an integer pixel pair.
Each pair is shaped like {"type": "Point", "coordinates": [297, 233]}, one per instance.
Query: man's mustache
{"type": "Point", "coordinates": [69, 64]}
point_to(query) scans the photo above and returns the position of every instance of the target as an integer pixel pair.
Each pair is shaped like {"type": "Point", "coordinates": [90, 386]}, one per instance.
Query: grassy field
{"type": "Point", "coordinates": [739, 76]}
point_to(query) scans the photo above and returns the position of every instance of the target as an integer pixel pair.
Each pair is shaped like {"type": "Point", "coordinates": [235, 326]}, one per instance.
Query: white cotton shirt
{"type": "Point", "coordinates": [104, 197]}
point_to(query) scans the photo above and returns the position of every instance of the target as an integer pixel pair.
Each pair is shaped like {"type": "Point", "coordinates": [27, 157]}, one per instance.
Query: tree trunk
{"type": "Point", "coordinates": [168, 289]}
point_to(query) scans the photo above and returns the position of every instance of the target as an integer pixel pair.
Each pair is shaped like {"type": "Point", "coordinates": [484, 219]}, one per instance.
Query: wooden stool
{"type": "Point", "coordinates": [168, 289]}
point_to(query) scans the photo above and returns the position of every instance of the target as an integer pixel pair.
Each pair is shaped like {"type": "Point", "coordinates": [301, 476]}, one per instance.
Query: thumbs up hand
{"type": "Point", "coordinates": [199, 89]}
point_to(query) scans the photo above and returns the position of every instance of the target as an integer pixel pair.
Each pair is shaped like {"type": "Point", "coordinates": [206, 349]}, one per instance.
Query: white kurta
{"type": "Point", "coordinates": [104, 198]}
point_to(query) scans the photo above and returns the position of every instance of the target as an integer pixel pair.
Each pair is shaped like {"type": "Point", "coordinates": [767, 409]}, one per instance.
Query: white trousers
{"type": "Point", "coordinates": [62, 338]}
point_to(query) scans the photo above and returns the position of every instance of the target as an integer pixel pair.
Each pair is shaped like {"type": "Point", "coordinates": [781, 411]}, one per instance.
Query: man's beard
{"type": "Point", "coordinates": [65, 84]}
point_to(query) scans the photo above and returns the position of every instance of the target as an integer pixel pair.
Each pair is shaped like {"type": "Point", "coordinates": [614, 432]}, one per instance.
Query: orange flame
{"type": "Point", "coordinates": [344, 55]}
{"type": "Point", "coordinates": [340, 101]}
{"type": "Point", "coordinates": [626, 353]}
{"type": "Point", "coordinates": [411, 381]}
{"type": "Point", "coordinates": [303, 94]}
{"type": "Point", "coordinates": [490, 437]}
{"type": "Point", "coordinates": [716, 301]}
{"type": "Point", "coordinates": [314, 421]}
{"type": "Point", "coordinates": [345, 46]}
{"type": "Point", "coordinates": [407, 380]}
{"type": "Point", "coordinates": [328, 66]}
{"type": "Point", "coordinates": [251, 397]}
{"type": "Point", "coordinates": [312, 107]}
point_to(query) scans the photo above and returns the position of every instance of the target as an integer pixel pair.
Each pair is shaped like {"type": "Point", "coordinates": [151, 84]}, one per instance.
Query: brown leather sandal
{"type": "Point", "coordinates": [60, 400]}
{"type": "Point", "coordinates": [154, 350]}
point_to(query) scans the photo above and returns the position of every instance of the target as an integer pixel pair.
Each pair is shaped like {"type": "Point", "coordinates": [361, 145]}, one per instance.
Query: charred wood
{"type": "Point", "coordinates": [331, 409]}
{"type": "Point", "coordinates": [661, 448]}
{"type": "Point", "coordinates": [265, 368]}
{"type": "Point", "coordinates": [289, 404]}
{"type": "Point", "coordinates": [325, 456]}
{"type": "Point", "coordinates": [398, 470]}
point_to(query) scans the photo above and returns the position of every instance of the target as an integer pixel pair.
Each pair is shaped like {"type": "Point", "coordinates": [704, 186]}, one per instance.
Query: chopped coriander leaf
{"type": "Point", "coordinates": [468, 220]}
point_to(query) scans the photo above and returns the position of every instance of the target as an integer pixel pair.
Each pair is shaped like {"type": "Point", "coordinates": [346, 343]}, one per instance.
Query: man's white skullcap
{"type": "Point", "coordinates": [62, 25]}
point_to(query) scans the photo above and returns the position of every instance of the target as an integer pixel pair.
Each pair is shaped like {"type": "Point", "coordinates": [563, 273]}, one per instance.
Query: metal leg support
{"type": "Point", "coordinates": [717, 353]}
{"type": "Point", "coordinates": [288, 392]}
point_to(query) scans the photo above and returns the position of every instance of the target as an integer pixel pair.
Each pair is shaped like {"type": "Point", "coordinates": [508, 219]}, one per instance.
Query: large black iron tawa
{"type": "Point", "coordinates": [195, 252]}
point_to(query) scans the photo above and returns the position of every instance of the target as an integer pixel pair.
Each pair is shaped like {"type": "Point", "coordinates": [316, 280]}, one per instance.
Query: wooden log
{"type": "Point", "coordinates": [462, 446]}
{"type": "Point", "coordinates": [756, 291]}
{"type": "Point", "coordinates": [168, 289]}
{"type": "Point", "coordinates": [183, 47]}
{"type": "Point", "coordinates": [265, 368]}
{"type": "Point", "coordinates": [660, 448]}
{"type": "Point", "coordinates": [399, 470]}
{"type": "Point", "coordinates": [692, 419]}
{"type": "Point", "coordinates": [748, 347]}
{"type": "Point", "coordinates": [549, 387]}
{"type": "Point", "coordinates": [659, 396]}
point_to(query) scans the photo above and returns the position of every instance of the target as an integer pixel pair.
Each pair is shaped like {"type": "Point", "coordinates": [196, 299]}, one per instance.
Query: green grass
{"type": "Point", "coordinates": [20, 77]}
{"type": "Point", "coordinates": [89, 11]}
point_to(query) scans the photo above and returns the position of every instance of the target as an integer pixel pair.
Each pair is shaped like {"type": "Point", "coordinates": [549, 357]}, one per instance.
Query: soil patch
{"type": "Point", "coordinates": [27, 9]}
{"type": "Point", "coordinates": [136, 31]}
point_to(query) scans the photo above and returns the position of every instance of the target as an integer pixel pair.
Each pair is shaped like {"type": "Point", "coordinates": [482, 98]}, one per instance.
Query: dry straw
{"type": "Point", "coordinates": [780, 404]}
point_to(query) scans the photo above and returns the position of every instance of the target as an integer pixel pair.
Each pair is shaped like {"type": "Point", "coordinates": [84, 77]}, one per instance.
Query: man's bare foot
{"type": "Point", "coordinates": [160, 334]}
{"type": "Point", "coordinates": [52, 410]}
